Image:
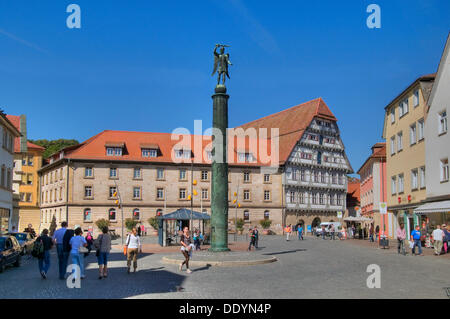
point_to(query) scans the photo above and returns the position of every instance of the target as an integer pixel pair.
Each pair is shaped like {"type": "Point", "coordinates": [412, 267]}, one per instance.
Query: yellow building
{"type": "Point", "coordinates": [27, 162]}
{"type": "Point", "coordinates": [404, 123]}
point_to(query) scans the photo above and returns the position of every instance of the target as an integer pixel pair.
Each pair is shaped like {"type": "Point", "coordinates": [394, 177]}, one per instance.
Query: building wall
{"type": "Point", "coordinates": [438, 145]}
{"type": "Point", "coordinates": [6, 173]}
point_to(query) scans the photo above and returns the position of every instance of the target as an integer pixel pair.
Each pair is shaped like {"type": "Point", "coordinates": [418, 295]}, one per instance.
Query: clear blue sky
{"type": "Point", "coordinates": [146, 65]}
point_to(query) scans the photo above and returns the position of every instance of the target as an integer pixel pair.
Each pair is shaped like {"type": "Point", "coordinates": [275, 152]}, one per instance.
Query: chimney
{"type": "Point", "coordinates": [23, 131]}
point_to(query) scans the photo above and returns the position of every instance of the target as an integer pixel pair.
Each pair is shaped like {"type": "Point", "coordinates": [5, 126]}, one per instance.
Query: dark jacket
{"type": "Point", "coordinates": [66, 239]}
{"type": "Point", "coordinates": [48, 243]}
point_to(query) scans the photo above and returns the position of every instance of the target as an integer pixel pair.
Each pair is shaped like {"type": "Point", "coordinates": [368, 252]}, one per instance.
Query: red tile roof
{"type": "Point", "coordinates": [292, 123]}
{"type": "Point", "coordinates": [378, 151]}
{"type": "Point", "coordinates": [353, 189]}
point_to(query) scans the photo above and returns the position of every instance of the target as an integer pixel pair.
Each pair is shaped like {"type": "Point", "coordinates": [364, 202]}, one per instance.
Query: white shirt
{"type": "Point", "coordinates": [438, 234]}
{"type": "Point", "coordinates": [133, 241]}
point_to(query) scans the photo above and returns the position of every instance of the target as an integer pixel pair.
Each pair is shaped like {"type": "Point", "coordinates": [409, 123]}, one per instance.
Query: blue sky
{"type": "Point", "coordinates": [146, 65]}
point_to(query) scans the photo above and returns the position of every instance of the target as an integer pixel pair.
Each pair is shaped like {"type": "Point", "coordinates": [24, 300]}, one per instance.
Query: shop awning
{"type": "Point", "coordinates": [436, 207]}
{"type": "Point", "coordinates": [357, 219]}
{"type": "Point", "coordinates": [185, 214]}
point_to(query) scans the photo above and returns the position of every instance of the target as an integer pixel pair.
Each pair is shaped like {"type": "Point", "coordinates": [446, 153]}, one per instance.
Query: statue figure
{"type": "Point", "coordinates": [221, 62]}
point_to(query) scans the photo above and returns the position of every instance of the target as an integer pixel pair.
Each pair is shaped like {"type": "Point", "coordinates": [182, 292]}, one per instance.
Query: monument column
{"type": "Point", "coordinates": [219, 180]}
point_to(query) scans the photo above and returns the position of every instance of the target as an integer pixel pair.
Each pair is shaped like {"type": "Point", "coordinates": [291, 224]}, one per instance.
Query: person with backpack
{"type": "Point", "coordinates": [103, 246]}
{"type": "Point", "coordinates": [43, 245]}
{"type": "Point", "coordinates": [76, 243]}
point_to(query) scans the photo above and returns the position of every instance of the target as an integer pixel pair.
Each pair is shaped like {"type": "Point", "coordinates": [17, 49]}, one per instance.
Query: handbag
{"type": "Point", "coordinates": [411, 244]}
{"type": "Point", "coordinates": [125, 248]}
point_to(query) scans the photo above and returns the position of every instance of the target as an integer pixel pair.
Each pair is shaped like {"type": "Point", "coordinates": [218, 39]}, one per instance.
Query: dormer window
{"type": "Point", "coordinates": [114, 148]}
{"type": "Point", "coordinates": [245, 157]}
{"type": "Point", "coordinates": [149, 152]}
{"type": "Point", "coordinates": [183, 153]}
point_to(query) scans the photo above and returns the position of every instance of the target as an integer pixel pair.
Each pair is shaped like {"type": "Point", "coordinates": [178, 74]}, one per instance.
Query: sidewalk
{"type": "Point", "coordinates": [428, 252]}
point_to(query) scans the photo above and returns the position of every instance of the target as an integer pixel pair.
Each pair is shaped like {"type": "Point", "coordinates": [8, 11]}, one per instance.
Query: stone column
{"type": "Point", "coordinates": [219, 179]}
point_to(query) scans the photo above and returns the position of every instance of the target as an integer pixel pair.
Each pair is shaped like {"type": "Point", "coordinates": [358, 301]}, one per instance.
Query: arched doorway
{"type": "Point", "coordinates": [301, 222]}
{"type": "Point", "coordinates": [316, 222]}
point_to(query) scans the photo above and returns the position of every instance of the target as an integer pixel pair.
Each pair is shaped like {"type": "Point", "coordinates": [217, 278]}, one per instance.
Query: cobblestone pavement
{"type": "Point", "coordinates": [312, 268]}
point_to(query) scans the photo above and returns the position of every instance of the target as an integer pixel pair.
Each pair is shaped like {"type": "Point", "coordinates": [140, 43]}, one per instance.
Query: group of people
{"type": "Point", "coordinates": [440, 239]}
{"type": "Point", "coordinates": [254, 238]}
{"type": "Point", "coordinates": [288, 230]}
{"type": "Point", "coordinates": [72, 246]}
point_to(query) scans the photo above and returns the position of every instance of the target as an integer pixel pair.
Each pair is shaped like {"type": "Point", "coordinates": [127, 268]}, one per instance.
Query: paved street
{"type": "Point", "coordinates": [305, 269]}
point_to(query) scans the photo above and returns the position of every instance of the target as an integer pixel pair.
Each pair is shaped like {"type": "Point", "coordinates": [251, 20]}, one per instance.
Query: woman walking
{"type": "Point", "coordinates": [133, 248]}
{"type": "Point", "coordinates": [186, 248]}
{"type": "Point", "coordinates": [103, 246]}
{"type": "Point", "coordinates": [44, 259]}
{"type": "Point", "coordinates": [76, 242]}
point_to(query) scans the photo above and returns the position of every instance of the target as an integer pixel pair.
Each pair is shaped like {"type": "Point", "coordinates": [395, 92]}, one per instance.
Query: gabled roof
{"type": "Point", "coordinates": [378, 152]}
{"type": "Point", "coordinates": [292, 123]}
{"type": "Point", "coordinates": [353, 189]}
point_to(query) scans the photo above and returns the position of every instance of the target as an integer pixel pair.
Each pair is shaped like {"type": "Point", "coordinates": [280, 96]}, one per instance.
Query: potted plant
{"type": "Point", "coordinates": [240, 225]}
{"type": "Point", "coordinates": [265, 224]}
{"type": "Point", "coordinates": [154, 222]}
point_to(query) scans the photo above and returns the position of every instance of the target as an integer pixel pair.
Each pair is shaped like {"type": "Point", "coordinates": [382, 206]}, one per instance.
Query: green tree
{"type": "Point", "coordinates": [130, 223]}
{"type": "Point", "coordinates": [240, 224]}
{"type": "Point", "coordinates": [101, 223]}
{"type": "Point", "coordinates": [53, 226]}
{"type": "Point", "coordinates": [153, 221]}
{"type": "Point", "coordinates": [53, 146]}
{"type": "Point", "coordinates": [265, 223]}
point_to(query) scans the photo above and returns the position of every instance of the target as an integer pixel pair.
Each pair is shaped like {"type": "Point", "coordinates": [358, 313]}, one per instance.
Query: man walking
{"type": "Point", "coordinates": [438, 236]}
{"type": "Point", "coordinates": [415, 237]}
{"type": "Point", "coordinates": [288, 232]}
{"type": "Point", "coordinates": [300, 232]}
{"type": "Point", "coordinates": [332, 230]}
{"type": "Point", "coordinates": [252, 239]}
{"type": "Point", "coordinates": [62, 255]}
{"type": "Point", "coordinates": [401, 236]}
{"type": "Point", "coordinates": [256, 232]}
{"type": "Point", "coordinates": [44, 258]}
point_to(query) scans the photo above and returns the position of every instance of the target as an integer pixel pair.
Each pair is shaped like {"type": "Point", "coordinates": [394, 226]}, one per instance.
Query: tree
{"type": "Point", "coordinates": [130, 223]}
{"type": "Point", "coordinates": [53, 226]}
{"type": "Point", "coordinates": [153, 221]}
{"type": "Point", "coordinates": [265, 223]}
{"type": "Point", "coordinates": [102, 223]}
{"type": "Point", "coordinates": [240, 224]}
{"type": "Point", "coordinates": [53, 146]}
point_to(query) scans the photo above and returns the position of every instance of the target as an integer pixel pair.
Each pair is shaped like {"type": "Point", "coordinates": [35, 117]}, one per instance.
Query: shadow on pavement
{"type": "Point", "coordinates": [284, 252]}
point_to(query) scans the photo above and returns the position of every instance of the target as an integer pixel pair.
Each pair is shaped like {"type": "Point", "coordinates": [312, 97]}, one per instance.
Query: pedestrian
{"type": "Point", "coordinates": [103, 246]}
{"type": "Point", "coordinates": [401, 236]}
{"type": "Point", "coordinates": [288, 230]}
{"type": "Point", "coordinates": [447, 237]}
{"type": "Point", "coordinates": [197, 239]}
{"type": "Point", "coordinates": [76, 252]}
{"type": "Point", "coordinates": [438, 238]}
{"type": "Point", "coordinates": [90, 243]}
{"type": "Point", "coordinates": [256, 232]}
{"type": "Point", "coordinates": [415, 237]}
{"type": "Point", "coordinates": [143, 231]}
{"type": "Point", "coordinates": [353, 231]}
{"type": "Point", "coordinates": [44, 258]}
{"type": "Point", "coordinates": [377, 232]}
{"type": "Point", "coordinates": [332, 231]}
{"type": "Point", "coordinates": [62, 254]}
{"type": "Point", "coordinates": [138, 227]}
{"type": "Point", "coordinates": [186, 249]}
{"type": "Point", "coordinates": [324, 232]}
{"type": "Point", "coordinates": [251, 234]}
{"type": "Point", "coordinates": [300, 232]}
{"type": "Point", "coordinates": [134, 246]}
{"type": "Point", "coordinates": [371, 231]}
{"type": "Point", "coordinates": [30, 230]}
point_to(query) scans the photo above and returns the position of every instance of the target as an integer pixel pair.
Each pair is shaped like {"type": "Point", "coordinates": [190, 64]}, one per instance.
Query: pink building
{"type": "Point", "coordinates": [373, 188]}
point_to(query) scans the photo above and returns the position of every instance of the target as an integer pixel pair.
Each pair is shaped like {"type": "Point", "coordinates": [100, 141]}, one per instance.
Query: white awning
{"type": "Point", "coordinates": [436, 207]}
{"type": "Point", "coordinates": [357, 219]}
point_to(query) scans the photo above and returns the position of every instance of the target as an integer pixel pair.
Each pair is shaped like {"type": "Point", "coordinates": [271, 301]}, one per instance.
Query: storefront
{"type": "Point", "coordinates": [434, 213]}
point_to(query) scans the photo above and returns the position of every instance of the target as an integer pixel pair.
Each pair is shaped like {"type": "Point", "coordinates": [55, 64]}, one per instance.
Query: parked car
{"type": "Point", "coordinates": [25, 240]}
{"type": "Point", "coordinates": [9, 252]}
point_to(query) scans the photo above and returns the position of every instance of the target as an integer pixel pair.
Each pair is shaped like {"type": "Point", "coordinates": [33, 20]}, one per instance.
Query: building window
{"type": "Point", "coordinates": [204, 175]}
{"type": "Point", "coordinates": [414, 179]}
{"type": "Point", "coordinates": [393, 145]}
{"type": "Point", "coordinates": [182, 153]}
{"type": "Point", "coordinates": [412, 134]}
{"type": "Point", "coordinates": [246, 194]}
{"type": "Point", "coordinates": [182, 194]}
{"type": "Point", "coordinates": [30, 160]}
{"type": "Point", "coordinates": [266, 178]}
{"type": "Point", "coordinates": [113, 172]}
{"type": "Point", "coordinates": [112, 192]}
{"type": "Point", "coordinates": [266, 195]}
{"type": "Point", "coordinates": [205, 193]}
{"type": "Point", "coordinates": [444, 170]}
{"type": "Point", "coordinates": [334, 178]}
{"type": "Point", "coordinates": [246, 215]}
{"type": "Point", "coordinates": [420, 125]}
{"type": "Point", "coordinates": [294, 174]}
{"type": "Point", "coordinates": [416, 98]}
{"type": "Point", "coordinates": [160, 193]}
{"type": "Point", "coordinates": [182, 174]}
{"type": "Point", "coordinates": [422, 177]}
{"type": "Point", "coordinates": [114, 151]}
{"type": "Point", "coordinates": [246, 177]}
{"type": "Point", "coordinates": [399, 141]}
{"type": "Point", "coordinates": [112, 214]}
{"type": "Point", "coordinates": [160, 173]}
{"type": "Point", "coordinates": [136, 173]}
{"type": "Point", "coordinates": [29, 179]}
{"type": "Point", "coordinates": [401, 183]}
{"type": "Point", "coordinates": [442, 122]}
{"type": "Point", "coordinates": [321, 199]}
{"type": "Point", "coordinates": [393, 115]}
{"type": "Point", "coordinates": [87, 216]}
{"type": "Point", "coordinates": [393, 185]}
{"type": "Point", "coordinates": [149, 152]}
{"type": "Point", "coordinates": [266, 214]}
{"type": "Point", "coordinates": [316, 176]}
{"type": "Point", "coordinates": [339, 199]}
{"type": "Point", "coordinates": [136, 192]}
{"type": "Point", "coordinates": [88, 191]}
{"type": "Point", "coordinates": [136, 214]}
{"type": "Point", "coordinates": [403, 108]}
{"type": "Point", "coordinates": [332, 199]}
{"type": "Point", "coordinates": [301, 198]}
{"type": "Point", "coordinates": [88, 172]}
{"type": "Point", "coordinates": [314, 198]}
{"type": "Point", "coordinates": [302, 175]}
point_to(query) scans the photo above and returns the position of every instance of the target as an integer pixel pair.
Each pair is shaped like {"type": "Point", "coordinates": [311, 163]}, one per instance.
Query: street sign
{"type": "Point", "coordinates": [383, 208]}
{"type": "Point", "coordinates": [339, 214]}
